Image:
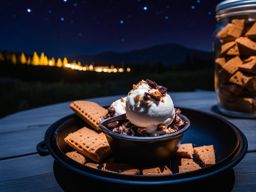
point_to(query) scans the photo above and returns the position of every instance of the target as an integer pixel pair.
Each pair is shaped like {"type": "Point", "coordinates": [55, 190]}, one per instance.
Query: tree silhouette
{"type": "Point", "coordinates": [23, 59]}
{"type": "Point", "coordinates": [65, 60]}
{"type": "Point", "coordinates": [1, 56]}
{"type": "Point", "coordinates": [59, 63]}
{"type": "Point", "coordinates": [41, 59]}
{"type": "Point", "coordinates": [14, 59]}
{"type": "Point", "coordinates": [46, 62]}
{"type": "Point", "coordinates": [35, 59]}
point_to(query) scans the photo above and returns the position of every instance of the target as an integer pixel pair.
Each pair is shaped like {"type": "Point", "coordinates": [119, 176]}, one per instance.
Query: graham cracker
{"type": "Point", "coordinates": [225, 47]}
{"type": "Point", "coordinates": [186, 150]}
{"type": "Point", "coordinates": [166, 171]}
{"type": "Point", "coordinates": [230, 32]}
{"type": "Point", "coordinates": [233, 51]}
{"type": "Point", "coordinates": [251, 33]}
{"type": "Point", "coordinates": [240, 79]}
{"type": "Point", "coordinates": [121, 168]}
{"type": "Point", "coordinates": [239, 104]}
{"type": "Point", "coordinates": [249, 65]}
{"type": "Point", "coordinates": [232, 65]}
{"type": "Point", "coordinates": [76, 157]}
{"type": "Point", "coordinates": [93, 165]}
{"type": "Point", "coordinates": [206, 154]}
{"type": "Point", "coordinates": [89, 143]}
{"type": "Point", "coordinates": [90, 112]}
{"type": "Point", "coordinates": [188, 165]}
{"type": "Point", "coordinates": [151, 171]}
{"type": "Point", "coordinates": [157, 171]}
{"type": "Point", "coordinates": [220, 61]}
{"type": "Point", "coordinates": [246, 46]}
{"type": "Point", "coordinates": [239, 22]}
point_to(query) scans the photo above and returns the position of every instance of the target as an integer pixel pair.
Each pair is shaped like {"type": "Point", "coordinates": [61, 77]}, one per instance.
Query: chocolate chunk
{"type": "Point", "coordinates": [111, 111]}
{"type": "Point", "coordinates": [146, 96]}
{"type": "Point", "coordinates": [112, 125]}
{"type": "Point", "coordinates": [151, 83]}
{"type": "Point", "coordinates": [162, 90]}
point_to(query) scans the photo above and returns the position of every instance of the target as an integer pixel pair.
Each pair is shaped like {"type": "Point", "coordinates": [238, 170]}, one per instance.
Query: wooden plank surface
{"type": "Point", "coordinates": [26, 173]}
{"type": "Point", "coordinates": [28, 127]}
{"type": "Point", "coordinates": [20, 132]}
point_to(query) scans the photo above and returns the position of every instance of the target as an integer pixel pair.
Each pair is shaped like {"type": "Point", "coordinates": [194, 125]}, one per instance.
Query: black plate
{"type": "Point", "coordinates": [230, 145]}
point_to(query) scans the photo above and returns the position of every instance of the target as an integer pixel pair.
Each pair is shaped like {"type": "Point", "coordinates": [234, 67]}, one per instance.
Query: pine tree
{"type": "Point", "coordinates": [29, 60]}
{"type": "Point", "coordinates": [46, 62]}
{"type": "Point", "coordinates": [23, 59]}
{"type": "Point", "coordinates": [59, 63]}
{"type": "Point", "coordinates": [35, 59]}
{"type": "Point", "coordinates": [52, 61]}
{"type": "Point", "coordinates": [65, 60]}
{"type": "Point", "coordinates": [41, 59]}
{"type": "Point", "coordinates": [14, 59]}
{"type": "Point", "coordinates": [1, 57]}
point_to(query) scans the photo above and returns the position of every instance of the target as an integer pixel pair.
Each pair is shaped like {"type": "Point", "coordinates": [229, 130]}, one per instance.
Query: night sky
{"type": "Point", "coordinates": [81, 27]}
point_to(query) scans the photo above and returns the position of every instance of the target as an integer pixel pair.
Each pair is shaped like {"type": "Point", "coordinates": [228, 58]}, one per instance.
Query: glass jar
{"type": "Point", "coordinates": [235, 57]}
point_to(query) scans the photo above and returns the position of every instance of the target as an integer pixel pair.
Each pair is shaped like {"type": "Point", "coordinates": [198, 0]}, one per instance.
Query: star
{"type": "Point", "coordinates": [121, 22]}
{"type": "Point", "coordinates": [198, 1]}
{"type": "Point", "coordinates": [193, 7]}
{"type": "Point", "coordinates": [209, 13]}
{"type": "Point", "coordinates": [65, 1]}
{"type": "Point", "coordinates": [62, 19]}
{"type": "Point", "coordinates": [145, 8]}
{"type": "Point", "coordinates": [75, 4]}
{"type": "Point", "coordinates": [29, 10]}
{"type": "Point", "coordinates": [166, 17]}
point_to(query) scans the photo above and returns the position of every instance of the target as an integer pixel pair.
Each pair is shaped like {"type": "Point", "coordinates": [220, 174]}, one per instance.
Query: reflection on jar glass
{"type": "Point", "coordinates": [235, 57]}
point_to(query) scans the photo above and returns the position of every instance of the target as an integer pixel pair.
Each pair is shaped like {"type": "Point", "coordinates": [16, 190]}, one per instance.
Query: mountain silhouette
{"type": "Point", "coordinates": [166, 54]}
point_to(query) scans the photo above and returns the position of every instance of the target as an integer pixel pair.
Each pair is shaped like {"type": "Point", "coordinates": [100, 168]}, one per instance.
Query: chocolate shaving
{"type": "Point", "coordinates": [111, 112]}
{"type": "Point", "coordinates": [151, 84]}
{"type": "Point", "coordinates": [146, 96]}
{"type": "Point", "coordinates": [162, 90]}
{"type": "Point", "coordinates": [153, 96]}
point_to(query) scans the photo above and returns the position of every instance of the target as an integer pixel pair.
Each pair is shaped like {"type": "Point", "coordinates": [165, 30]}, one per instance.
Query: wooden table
{"type": "Point", "coordinates": [22, 169]}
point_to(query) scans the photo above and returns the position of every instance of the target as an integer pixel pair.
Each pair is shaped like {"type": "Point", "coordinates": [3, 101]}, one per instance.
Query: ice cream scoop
{"type": "Point", "coordinates": [119, 106]}
{"type": "Point", "coordinates": [149, 105]}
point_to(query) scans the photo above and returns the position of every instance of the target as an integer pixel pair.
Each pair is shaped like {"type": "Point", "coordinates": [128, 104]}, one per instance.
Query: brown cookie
{"type": "Point", "coordinates": [76, 157]}
{"type": "Point", "coordinates": [89, 143]}
{"type": "Point", "coordinates": [157, 171]}
{"type": "Point", "coordinates": [93, 165]}
{"type": "Point", "coordinates": [151, 171]}
{"type": "Point", "coordinates": [230, 32]}
{"type": "Point", "coordinates": [238, 104]}
{"type": "Point", "coordinates": [90, 112]}
{"type": "Point", "coordinates": [240, 79]}
{"type": "Point", "coordinates": [206, 154]}
{"type": "Point", "coordinates": [246, 46]}
{"type": "Point", "coordinates": [251, 33]}
{"type": "Point", "coordinates": [188, 165]}
{"type": "Point", "coordinates": [232, 65]}
{"type": "Point", "coordinates": [239, 22]}
{"type": "Point", "coordinates": [220, 62]}
{"type": "Point", "coordinates": [186, 150]}
{"type": "Point", "coordinates": [166, 171]}
{"type": "Point", "coordinates": [249, 65]}
{"type": "Point", "coordinates": [227, 46]}
{"type": "Point", "coordinates": [121, 168]}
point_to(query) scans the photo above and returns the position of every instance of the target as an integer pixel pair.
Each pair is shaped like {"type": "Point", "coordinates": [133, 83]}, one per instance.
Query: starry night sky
{"type": "Point", "coordinates": [81, 27]}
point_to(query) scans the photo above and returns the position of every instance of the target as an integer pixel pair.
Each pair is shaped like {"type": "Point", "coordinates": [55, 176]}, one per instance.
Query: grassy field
{"type": "Point", "coordinates": [17, 95]}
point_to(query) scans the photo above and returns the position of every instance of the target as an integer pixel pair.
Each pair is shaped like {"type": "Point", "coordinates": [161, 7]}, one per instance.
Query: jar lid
{"type": "Point", "coordinates": [235, 7]}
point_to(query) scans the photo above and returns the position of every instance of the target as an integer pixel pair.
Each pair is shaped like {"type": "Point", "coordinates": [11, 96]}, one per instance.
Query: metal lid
{"type": "Point", "coordinates": [235, 7]}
